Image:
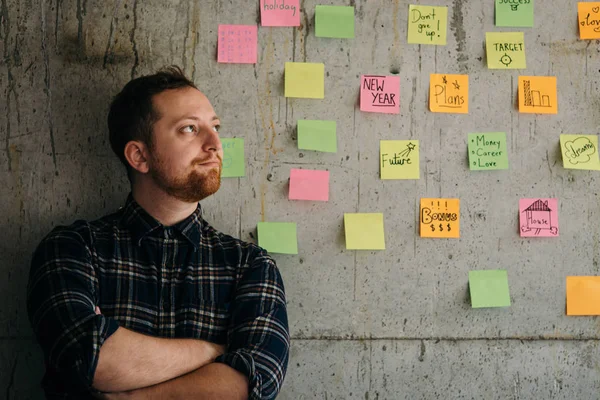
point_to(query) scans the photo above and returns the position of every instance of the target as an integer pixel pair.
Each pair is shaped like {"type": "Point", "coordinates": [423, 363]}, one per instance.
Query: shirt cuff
{"type": "Point", "coordinates": [244, 363]}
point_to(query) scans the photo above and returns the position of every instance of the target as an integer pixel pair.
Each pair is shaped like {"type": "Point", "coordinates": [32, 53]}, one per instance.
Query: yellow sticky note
{"type": "Point", "coordinates": [364, 231]}
{"type": "Point", "coordinates": [580, 152]}
{"type": "Point", "coordinates": [440, 218]}
{"type": "Point", "coordinates": [449, 93]}
{"type": "Point", "coordinates": [583, 295]}
{"type": "Point", "coordinates": [399, 159]}
{"type": "Point", "coordinates": [305, 80]}
{"type": "Point", "coordinates": [427, 25]}
{"type": "Point", "coordinates": [589, 20]}
{"type": "Point", "coordinates": [537, 95]}
{"type": "Point", "coordinates": [505, 50]}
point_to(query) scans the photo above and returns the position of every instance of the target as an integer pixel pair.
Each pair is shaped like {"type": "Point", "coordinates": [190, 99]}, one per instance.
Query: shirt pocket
{"type": "Point", "coordinates": [203, 319]}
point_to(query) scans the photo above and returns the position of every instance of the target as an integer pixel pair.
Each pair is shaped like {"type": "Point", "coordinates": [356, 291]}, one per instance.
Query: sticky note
{"type": "Point", "coordinates": [514, 13]}
{"type": "Point", "coordinates": [308, 184]}
{"type": "Point", "coordinates": [280, 12]}
{"type": "Point", "coordinates": [427, 24]}
{"type": "Point", "coordinates": [317, 135]}
{"type": "Point", "coordinates": [237, 44]}
{"type": "Point", "coordinates": [489, 288]}
{"type": "Point", "coordinates": [278, 237]}
{"type": "Point", "coordinates": [487, 151]}
{"type": "Point", "coordinates": [538, 95]}
{"type": "Point", "coordinates": [334, 22]}
{"type": "Point", "coordinates": [399, 159]}
{"type": "Point", "coordinates": [538, 217]}
{"type": "Point", "coordinates": [440, 218]}
{"type": "Point", "coordinates": [583, 295]}
{"type": "Point", "coordinates": [305, 80]}
{"type": "Point", "coordinates": [380, 94]}
{"type": "Point", "coordinates": [589, 20]}
{"type": "Point", "coordinates": [449, 93]}
{"type": "Point", "coordinates": [234, 163]}
{"type": "Point", "coordinates": [580, 152]}
{"type": "Point", "coordinates": [364, 231]}
{"type": "Point", "coordinates": [505, 50]}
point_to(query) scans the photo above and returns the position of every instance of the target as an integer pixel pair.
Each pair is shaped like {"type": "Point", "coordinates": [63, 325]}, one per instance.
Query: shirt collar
{"type": "Point", "coordinates": [141, 224]}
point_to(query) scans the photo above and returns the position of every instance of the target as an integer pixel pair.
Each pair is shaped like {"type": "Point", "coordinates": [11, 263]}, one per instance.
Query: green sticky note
{"type": "Point", "coordinates": [304, 80]}
{"type": "Point", "coordinates": [514, 13]}
{"type": "Point", "coordinates": [505, 50]}
{"type": "Point", "coordinates": [278, 237]}
{"type": "Point", "coordinates": [427, 25]}
{"type": "Point", "coordinates": [234, 163]}
{"type": "Point", "coordinates": [580, 152]}
{"type": "Point", "coordinates": [317, 135]}
{"type": "Point", "coordinates": [487, 151]}
{"type": "Point", "coordinates": [334, 22]}
{"type": "Point", "coordinates": [489, 288]}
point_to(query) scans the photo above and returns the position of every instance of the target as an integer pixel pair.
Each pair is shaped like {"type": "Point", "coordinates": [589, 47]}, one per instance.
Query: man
{"type": "Point", "coordinates": [151, 302]}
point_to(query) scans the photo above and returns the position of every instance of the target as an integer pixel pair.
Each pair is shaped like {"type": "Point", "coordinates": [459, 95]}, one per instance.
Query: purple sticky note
{"type": "Point", "coordinates": [280, 12]}
{"type": "Point", "coordinates": [309, 185]}
{"type": "Point", "coordinates": [538, 217]}
{"type": "Point", "coordinates": [237, 44]}
{"type": "Point", "coordinates": [380, 94]}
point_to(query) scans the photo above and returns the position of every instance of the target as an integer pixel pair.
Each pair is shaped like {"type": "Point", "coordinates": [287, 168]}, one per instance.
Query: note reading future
{"type": "Point", "coordinates": [399, 159]}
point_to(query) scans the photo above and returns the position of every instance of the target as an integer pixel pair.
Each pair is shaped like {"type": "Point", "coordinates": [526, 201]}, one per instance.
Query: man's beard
{"type": "Point", "coordinates": [190, 188]}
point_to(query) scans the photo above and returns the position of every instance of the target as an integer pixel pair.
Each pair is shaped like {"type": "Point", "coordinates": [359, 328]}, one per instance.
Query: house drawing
{"type": "Point", "coordinates": [538, 217]}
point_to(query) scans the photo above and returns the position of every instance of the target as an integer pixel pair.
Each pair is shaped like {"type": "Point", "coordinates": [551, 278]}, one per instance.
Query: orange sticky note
{"type": "Point", "coordinates": [449, 93]}
{"type": "Point", "coordinates": [589, 20]}
{"type": "Point", "coordinates": [583, 295]}
{"type": "Point", "coordinates": [308, 184]}
{"type": "Point", "coordinates": [440, 218]}
{"type": "Point", "coordinates": [537, 95]}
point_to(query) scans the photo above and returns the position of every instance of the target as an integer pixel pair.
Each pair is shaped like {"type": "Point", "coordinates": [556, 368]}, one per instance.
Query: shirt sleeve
{"type": "Point", "coordinates": [258, 338]}
{"type": "Point", "coordinates": [61, 302]}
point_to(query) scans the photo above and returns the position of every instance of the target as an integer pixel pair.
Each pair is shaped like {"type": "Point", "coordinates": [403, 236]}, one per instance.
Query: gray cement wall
{"type": "Point", "coordinates": [394, 324]}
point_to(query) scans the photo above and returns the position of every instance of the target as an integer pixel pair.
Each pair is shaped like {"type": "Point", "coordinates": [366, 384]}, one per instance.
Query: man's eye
{"type": "Point", "coordinates": [189, 129]}
{"type": "Point", "coordinates": [217, 128]}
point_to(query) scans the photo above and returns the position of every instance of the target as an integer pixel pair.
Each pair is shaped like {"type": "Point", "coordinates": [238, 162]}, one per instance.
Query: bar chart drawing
{"type": "Point", "coordinates": [534, 98]}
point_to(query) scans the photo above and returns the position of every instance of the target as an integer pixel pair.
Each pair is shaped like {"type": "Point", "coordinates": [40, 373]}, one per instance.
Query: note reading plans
{"type": "Point", "coordinates": [399, 159]}
{"type": "Point", "coordinates": [516, 13]}
{"type": "Point", "coordinates": [487, 151]}
{"type": "Point", "coordinates": [427, 24]}
{"type": "Point", "coordinates": [380, 94]}
{"type": "Point", "coordinates": [489, 288]}
{"type": "Point", "coordinates": [580, 152]}
{"type": "Point", "coordinates": [505, 50]}
{"type": "Point", "coordinates": [364, 231]}
{"type": "Point", "coordinates": [234, 163]}
{"type": "Point", "coordinates": [278, 237]}
{"type": "Point", "coordinates": [305, 80]}
{"type": "Point", "coordinates": [440, 218]}
{"type": "Point", "coordinates": [308, 184]}
{"type": "Point", "coordinates": [280, 12]}
{"type": "Point", "coordinates": [334, 22]}
{"type": "Point", "coordinates": [237, 44]}
{"type": "Point", "coordinates": [317, 135]}
{"type": "Point", "coordinates": [449, 93]}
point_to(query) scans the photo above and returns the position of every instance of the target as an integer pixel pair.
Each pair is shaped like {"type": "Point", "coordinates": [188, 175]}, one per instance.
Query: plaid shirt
{"type": "Point", "coordinates": [183, 281]}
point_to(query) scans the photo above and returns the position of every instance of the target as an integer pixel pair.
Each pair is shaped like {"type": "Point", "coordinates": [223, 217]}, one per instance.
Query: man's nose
{"type": "Point", "coordinates": [212, 141]}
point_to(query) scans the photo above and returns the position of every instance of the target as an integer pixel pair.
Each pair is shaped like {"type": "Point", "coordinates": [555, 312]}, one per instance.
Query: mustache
{"type": "Point", "coordinates": [216, 158]}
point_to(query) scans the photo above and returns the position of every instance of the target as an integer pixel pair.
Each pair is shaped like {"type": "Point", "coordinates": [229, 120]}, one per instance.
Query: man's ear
{"type": "Point", "coordinates": [136, 154]}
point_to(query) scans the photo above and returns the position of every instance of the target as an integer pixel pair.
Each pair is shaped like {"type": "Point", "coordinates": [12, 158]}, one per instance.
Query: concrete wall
{"type": "Point", "coordinates": [394, 324]}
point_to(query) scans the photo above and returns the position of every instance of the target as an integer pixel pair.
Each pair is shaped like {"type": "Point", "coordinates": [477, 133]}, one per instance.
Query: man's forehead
{"type": "Point", "coordinates": [180, 103]}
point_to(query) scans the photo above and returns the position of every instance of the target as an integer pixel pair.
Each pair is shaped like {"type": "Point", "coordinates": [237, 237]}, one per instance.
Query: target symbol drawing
{"type": "Point", "coordinates": [506, 59]}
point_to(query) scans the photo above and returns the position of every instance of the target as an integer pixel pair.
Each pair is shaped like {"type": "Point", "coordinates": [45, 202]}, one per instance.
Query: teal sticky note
{"type": "Point", "coordinates": [334, 22]}
{"type": "Point", "coordinates": [317, 135]}
{"type": "Point", "coordinates": [514, 13]}
{"type": "Point", "coordinates": [278, 237]}
{"type": "Point", "coordinates": [489, 288]}
{"type": "Point", "coordinates": [487, 151]}
{"type": "Point", "coordinates": [234, 163]}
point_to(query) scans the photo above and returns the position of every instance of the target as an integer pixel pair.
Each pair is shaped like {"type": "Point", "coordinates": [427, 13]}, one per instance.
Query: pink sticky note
{"type": "Point", "coordinates": [380, 94]}
{"type": "Point", "coordinates": [280, 12]}
{"type": "Point", "coordinates": [309, 185]}
{"type": "Point", "coordinates": [538, 217]}
{"type": "Point", "coordinates": [237, 44]}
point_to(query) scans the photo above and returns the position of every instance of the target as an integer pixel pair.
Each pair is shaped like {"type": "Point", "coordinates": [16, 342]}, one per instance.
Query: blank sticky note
{"type": "Point", "coordinates": [399, 159]}
{"type": "Point", "coordinates": [278, 237]}
{"type": "Point", "coordinates": [538, 95]}
{"type": "Point", "coordinates": [280, 12]}
{"type": "Point", "coordinates": [589, 20]}
{"type": "Point", "coordinates": [234, 163]}
{"type": "Point", "coordinates": [580, 152]}
{"type": "Point", "coordinates": [440, 218]}
{"type": "Point", "coordinates": [364, 231]}
{"type": "Point", "coordinates": [305, 80]}
{"type": "Point", "coordinates": [380, 94]}
{"type": "Point", "coordinates": [334, 22]}
{"type": "Point", "coordinates": [538, 217]}
{"type": "Point", "coordinates": [505, 50]}
{"type": "Point", "coordinates": [514, 13]}
{"type": "Point", "coordinates": [427, 24]}
{"type": "Point", "coordinates": [237, 44]}
{"type": "Point", "coordinates": [487, 151]}
{"type": "Point", "coordinates": [317, 135]}
{"type": "Point", "coordinates": [583, 295]}
{"type": "Point", "coordinates": [489, 288]}
{"type": "Point", "coordinates": [306, 184]}
{"type": "Point", "coordinates": [449, 93]}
